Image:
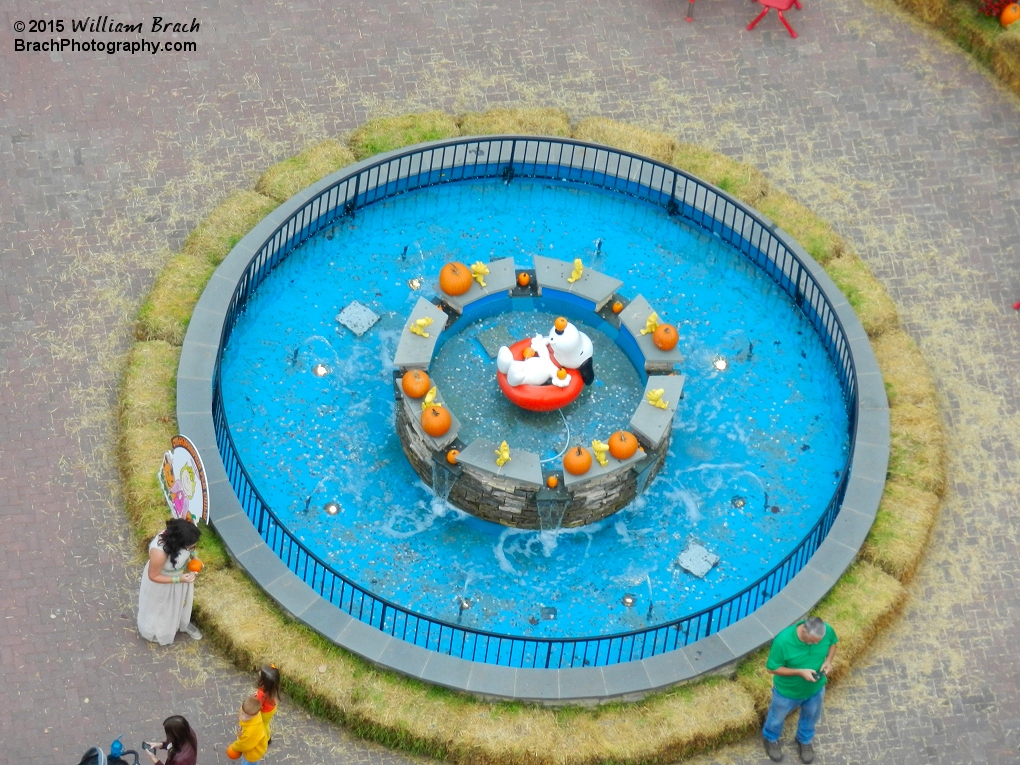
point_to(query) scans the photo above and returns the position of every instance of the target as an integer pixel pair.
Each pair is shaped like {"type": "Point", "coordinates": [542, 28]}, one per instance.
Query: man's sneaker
{"type": "Point", "coordinates": [773, 750]}
{"type": "Point", "coordinates": [193, 632]}
{"type": "Point", "coordinates": [807, 753]}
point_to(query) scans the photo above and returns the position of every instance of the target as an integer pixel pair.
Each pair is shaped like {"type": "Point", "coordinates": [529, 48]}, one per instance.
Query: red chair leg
{"type": "Point", "coordinates": [758, 18]}
{"type": "Point", "coordinates": [690, 10]}
{"type": "Point", "coordinates": [797, 3]}
{"type": "Point", "coordinates": [786, 24]}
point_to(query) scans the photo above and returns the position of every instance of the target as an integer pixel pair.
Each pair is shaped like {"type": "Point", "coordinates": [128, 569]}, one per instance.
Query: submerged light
{"type": "Point", "coordinates": [720, 363]}
{"type": "Point", "coordinates": [332, 508]}
{"type": "Point", "coordinates": [629, 600]}
{"type": "Point", "coordinates": [320, 370]}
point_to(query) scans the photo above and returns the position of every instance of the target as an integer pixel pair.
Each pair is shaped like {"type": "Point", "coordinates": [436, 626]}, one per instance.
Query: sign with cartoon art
{"type": "Point", "coordinates": [182, 479]}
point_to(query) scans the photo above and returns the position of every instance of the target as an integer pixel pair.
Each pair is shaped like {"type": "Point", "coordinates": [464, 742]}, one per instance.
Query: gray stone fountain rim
{"type": "Point", "coordinates": [715, 654]}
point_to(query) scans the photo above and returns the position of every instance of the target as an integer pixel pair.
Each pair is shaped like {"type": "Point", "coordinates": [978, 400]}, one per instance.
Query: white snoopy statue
{"type": "Point", "coordinates": [571, 347]}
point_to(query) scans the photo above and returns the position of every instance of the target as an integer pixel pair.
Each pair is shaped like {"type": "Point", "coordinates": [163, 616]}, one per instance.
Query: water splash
{"type": "Point", "coordinates": [443, 479]}
{"type": "Point", "coordinates": [550, 513]}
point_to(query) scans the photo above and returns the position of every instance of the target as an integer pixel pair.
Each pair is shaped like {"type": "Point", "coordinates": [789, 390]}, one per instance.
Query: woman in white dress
{"type": "Point", "coordinates": [168, 588]}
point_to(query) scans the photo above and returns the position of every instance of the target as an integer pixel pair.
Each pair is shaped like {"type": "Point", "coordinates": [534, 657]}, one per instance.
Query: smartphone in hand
{"type": "Point", "coordinates": [148, 747]}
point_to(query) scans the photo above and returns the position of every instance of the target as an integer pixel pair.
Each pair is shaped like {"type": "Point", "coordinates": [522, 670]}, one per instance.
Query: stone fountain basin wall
{"type": "Point", "coordinates": [509, 496]}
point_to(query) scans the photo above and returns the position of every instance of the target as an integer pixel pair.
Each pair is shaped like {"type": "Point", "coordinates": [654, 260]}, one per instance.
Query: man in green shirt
{"type": "Point", "coordinates": [799, 661]}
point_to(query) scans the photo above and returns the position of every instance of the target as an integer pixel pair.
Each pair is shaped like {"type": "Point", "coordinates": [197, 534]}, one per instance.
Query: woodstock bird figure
{"type": "Point", "coordinates": [478, 272]}
{"type": "Point", "coordinates": [655, 398]}
{"type": "Point", "coordinates": [600, 450]}
{"type": "Point", "coordinates": [418, 326]}
{"type": "Point", "coordinates": [503, 454]}
{"type": "Point", "coordinates": [576, 273]}
{"type": "Point", "coordinates": [651, 324]}
{"type": "Point", "coordinates": [430, 399]}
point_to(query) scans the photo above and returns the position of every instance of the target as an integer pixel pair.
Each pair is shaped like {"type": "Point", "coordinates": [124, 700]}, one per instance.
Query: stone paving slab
{"type": "Point", "coordinates": [109, 161]}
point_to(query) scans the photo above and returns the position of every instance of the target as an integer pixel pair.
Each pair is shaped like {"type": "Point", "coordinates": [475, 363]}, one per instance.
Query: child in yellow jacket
{"type": "Point", "coordinates": [252, 741]}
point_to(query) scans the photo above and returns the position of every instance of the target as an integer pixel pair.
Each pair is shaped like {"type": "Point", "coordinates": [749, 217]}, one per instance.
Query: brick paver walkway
{"type": "Point", "coordinates": [109, 160]}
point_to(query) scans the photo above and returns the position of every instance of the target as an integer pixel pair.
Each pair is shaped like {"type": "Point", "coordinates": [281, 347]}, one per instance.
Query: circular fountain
{"type": "Point", "coordinates": [749, 426]}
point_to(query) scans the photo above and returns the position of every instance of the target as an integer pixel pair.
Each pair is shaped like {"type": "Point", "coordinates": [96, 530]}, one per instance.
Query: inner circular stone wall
{"type": "Point", "coordinates": [528, 492]}
{"type": "Point", "coordinates": [311, 591]}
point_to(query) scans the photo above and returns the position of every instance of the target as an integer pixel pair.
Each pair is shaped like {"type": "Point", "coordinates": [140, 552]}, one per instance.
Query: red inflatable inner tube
{"type": "Point", "coordinates": [540, 398]}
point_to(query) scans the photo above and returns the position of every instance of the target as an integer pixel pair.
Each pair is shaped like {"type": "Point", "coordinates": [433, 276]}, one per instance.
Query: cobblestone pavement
{"type": "Point", "coordinates": [109, 160]}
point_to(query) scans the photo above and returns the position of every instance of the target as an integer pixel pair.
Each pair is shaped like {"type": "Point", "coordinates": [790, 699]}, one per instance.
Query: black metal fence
{"type": "Point", "coordinates": [560, 160]}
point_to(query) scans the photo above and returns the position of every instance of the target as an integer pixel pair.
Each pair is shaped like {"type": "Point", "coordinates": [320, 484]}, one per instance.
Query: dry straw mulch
{"type": "Point", "coordinates": [536, 121]}
{"type": "Point", "coordinates": [407, 714]}
{"type": "Point", "coordinates": [627, 137]}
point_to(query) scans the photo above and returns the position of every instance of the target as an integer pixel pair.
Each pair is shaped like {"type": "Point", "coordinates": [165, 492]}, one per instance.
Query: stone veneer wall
{"type": "Point", "coordinates": [603, 495]}
{"type": "Point", "coordinates": [514, 503]}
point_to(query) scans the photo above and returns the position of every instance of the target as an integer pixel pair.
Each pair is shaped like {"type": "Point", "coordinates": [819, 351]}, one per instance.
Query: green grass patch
{"type": "Point", "coordinates": [971, 30]}
{"type": "Point", "coordinates": [227, 224]}
{"type": "Point", "coordinates": [389, 133]}
{"type": "Point", "coordinates": [167, 309]}
{"type": "Point", "coordinates": [746, 182]}
{"type": "Point", "coordinates": [811, 232]}
{"type": "Point", "coordinates": [863, 291]}
{"type": "Point", "coordinates": [285, 179]}
{"type": "Point", "coordinates": [537, 121]}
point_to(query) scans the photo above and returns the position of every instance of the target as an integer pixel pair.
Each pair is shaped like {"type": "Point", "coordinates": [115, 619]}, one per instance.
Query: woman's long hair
{"type": "Point", "coordinates": [178, 731]}
{"type": "Point", "coordinates": [269, 682]}
{"type": "Point", "coordinates": [179, 534]}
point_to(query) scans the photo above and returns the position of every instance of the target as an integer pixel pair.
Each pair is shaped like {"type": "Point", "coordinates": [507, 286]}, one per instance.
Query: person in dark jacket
{"type": "Point", "coordinates": [181, 743]}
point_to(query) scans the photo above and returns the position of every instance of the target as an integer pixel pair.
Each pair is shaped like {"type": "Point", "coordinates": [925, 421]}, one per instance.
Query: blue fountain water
{"type": "Point", "coordinates": [756, 448]}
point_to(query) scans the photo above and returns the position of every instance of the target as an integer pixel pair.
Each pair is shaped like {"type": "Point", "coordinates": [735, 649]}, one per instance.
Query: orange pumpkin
{"type": "Point", "coordinates": [233, 753]}
{"type": "Point", "coordinates": [451, 456]}
{"type": "Point", "coordinates": [560, 323]}
{"type": "Point", "coordinates": [1010, 14]}
{"type": "Point", "coordinates": [436, 421]}
{"type": "Point", "coordinates": [617, 307]}
{"type": "Point", "coordinates": [622, 445]}
{"type": "Point", "coordinates": [665, 337]}
{"type": "Point", "coordinates": [552, 482]}
{"type": "Point", "coordinates": [455, 279]}
{"type": "Point", "coordinates": [523, 279]}
{"type": "Point", "coordinates": [195, 565]}
{"type": "Point", "coordinates": [577, 461]}
{"type": "Point", "coordinates": [416, 383]}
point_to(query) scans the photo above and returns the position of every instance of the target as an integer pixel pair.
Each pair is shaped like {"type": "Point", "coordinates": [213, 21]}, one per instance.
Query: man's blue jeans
{"type": "Point", "coordinates": [780, 708]}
